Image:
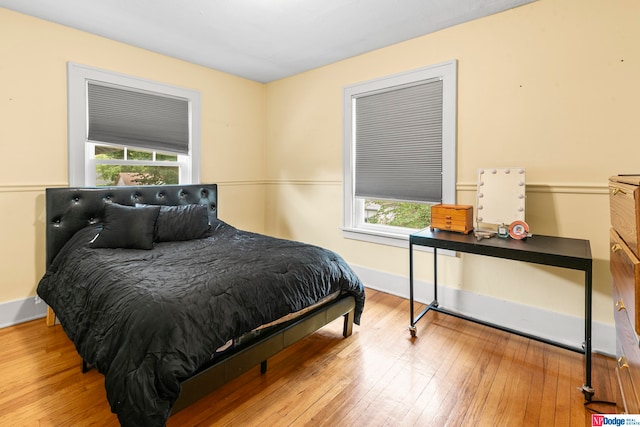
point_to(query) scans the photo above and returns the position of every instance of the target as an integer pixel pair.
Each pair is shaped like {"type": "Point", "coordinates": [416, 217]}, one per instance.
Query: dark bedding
{"type": "Point", "coordinates": [148, 319]}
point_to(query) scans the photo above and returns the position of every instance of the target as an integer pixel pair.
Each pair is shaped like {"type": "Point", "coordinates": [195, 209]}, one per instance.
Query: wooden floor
{"type": "Point", "coordinates": [455, 373]}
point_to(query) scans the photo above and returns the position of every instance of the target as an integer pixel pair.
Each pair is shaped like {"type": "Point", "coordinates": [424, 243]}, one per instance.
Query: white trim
{"type": "Point", "coordinates": [551, 325]}
{"type": "Point", "coordinates": [378, 237]}
{"type": "Point", "coordinates": [81, 171]}
{"type": "Point", "coordinates": [447, 71]}
{"type": "Point", "coordinates": [22, 310]}
{"type": "Point", "coordinates": [551, 187]}
{"type": "Point", "coordinates": [389, 239]}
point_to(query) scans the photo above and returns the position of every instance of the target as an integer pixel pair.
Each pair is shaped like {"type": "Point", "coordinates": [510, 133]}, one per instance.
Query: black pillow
{"type": "Point", "coordinates": [127, 227]}
{"type": "Point", "coordinates": [183, 222]}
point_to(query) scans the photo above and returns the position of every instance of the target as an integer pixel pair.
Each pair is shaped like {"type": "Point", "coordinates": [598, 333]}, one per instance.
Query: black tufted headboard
{"type": "Point", "coordinates": [70, 209]}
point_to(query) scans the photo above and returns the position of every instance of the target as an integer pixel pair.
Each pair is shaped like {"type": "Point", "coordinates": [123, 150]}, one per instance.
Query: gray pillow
{"type": "Point", "coordinates": [127, 227]}
{"type": "Point", "coordinates": [183, 222]}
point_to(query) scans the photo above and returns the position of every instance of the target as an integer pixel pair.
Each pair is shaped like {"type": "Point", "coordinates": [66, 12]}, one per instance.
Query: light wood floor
{"type": "Point", "coordinates": [454, 373]}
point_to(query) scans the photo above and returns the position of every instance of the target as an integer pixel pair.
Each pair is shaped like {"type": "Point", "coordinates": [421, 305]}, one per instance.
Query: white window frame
{"type": "Point", "coordinates": [354, 226]}
{"type": "Point", "coordinates": [82, 164]}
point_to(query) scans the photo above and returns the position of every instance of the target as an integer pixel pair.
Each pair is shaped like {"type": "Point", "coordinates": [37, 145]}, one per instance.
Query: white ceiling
{"type": "Point", "coordinates": [262, 40]}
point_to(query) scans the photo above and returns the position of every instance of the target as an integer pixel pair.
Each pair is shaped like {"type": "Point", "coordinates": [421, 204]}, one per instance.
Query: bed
{"type": "Point", "coordinates": [169, 302]}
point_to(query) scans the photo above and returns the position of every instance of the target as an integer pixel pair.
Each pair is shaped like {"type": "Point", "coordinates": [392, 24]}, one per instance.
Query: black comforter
{"type": "Point", "coordinates": [149, 319]}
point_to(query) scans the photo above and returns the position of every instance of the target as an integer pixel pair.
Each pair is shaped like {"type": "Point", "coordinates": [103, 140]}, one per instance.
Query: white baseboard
{"type": "Point", "coordinates": [22, 310]}
{"type": "Point", "coordinates": [551, 325]}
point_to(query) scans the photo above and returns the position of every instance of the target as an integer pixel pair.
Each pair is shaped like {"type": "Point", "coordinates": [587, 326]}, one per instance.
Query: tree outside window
{"type": "Point", "coordinates": [112, 167]}
{"type": "Point", "coordinates": [398, 214]}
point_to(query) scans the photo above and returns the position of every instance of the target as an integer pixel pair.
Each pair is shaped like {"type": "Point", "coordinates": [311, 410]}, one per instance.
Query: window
{"type": "Point", "coordinates": [129, 131]}
{"type": "Point", "coordinates": [399, 152]}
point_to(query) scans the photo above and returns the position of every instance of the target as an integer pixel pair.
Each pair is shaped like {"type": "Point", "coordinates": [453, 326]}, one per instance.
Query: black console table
{"type": "Point", "coordinates": [562, 252]}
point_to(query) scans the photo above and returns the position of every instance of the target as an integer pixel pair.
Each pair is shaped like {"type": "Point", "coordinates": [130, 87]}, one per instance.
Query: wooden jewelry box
{"type": "Point", "coordinates": [452, 218]}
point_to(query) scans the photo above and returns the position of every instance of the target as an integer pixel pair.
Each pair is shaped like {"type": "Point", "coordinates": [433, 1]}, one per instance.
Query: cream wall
{"type": "Point", "coordinates": [33, 133]}
{"type": "Point", "coordinates": [552, 86]}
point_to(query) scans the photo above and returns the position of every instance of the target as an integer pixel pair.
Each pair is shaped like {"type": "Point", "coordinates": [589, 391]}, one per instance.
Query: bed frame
{"type": "Point", "coordinates": [70, 209]}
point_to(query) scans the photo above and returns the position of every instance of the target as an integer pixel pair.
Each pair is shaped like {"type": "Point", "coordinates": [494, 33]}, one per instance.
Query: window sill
{"type": "Point", "coordinates": [375, 236]}
{"type": "Point", "coordinates": [388, 239]}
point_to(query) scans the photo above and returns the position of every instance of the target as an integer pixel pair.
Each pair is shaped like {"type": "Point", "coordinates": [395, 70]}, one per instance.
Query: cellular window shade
{"type": "Point", "coordinates": [138, 119]}
{"type": "Point", "coordinates": [398, 136]}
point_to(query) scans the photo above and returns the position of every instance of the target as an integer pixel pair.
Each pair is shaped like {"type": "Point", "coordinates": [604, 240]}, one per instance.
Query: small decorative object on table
{"type": "Point", "coordinates": [452, 218]}
{"type": "Point", "coordinates": [519, 230]}
{"type": "Point", "coordinates": [503, 231]}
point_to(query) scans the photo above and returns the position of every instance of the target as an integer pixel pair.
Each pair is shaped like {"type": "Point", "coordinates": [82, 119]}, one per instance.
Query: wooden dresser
{"type": "Point", "coordinates": [624, 199]}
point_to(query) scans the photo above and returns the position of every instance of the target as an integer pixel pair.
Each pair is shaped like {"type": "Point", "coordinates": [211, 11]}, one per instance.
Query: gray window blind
{"type": "Point", "coordinates": [399, 143]}
{"type": "Point", "coordinates": [138, 119]}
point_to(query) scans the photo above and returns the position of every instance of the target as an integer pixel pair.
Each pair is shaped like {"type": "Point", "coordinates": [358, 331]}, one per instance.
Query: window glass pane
{"type": "Point", "coordinates": [397, 214]}
{"type": "Point", "coordinates": [136, 175]}
{"type": "Point", "coordinates": [166, 157]}
{"type": "Point", "coordinates": [139, 155]}
{"type": "Point", "coordinates": [109, 152]}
